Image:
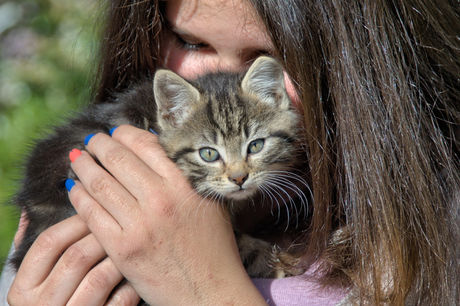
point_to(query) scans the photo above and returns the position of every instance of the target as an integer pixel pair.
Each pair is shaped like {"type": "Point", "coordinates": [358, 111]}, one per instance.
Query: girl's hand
{"type": "Point", "coordinates": [171, 245]}
{"type": "Point", "coordinates": [66, 265]}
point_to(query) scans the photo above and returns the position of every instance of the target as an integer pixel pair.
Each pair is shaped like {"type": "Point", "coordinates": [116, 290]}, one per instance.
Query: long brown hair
{"type": "Point", "coordinates": [379, 85]}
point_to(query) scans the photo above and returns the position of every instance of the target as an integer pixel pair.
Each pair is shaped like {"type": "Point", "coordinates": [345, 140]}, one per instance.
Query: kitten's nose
{"type": "Point", "coordinates": [239, 179]}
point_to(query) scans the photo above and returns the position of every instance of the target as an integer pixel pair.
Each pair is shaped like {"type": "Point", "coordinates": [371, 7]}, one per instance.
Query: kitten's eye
{"type": "Point", "coordinates": [209, 154]}
{"type": "Point", "coordinates": [256, 146]}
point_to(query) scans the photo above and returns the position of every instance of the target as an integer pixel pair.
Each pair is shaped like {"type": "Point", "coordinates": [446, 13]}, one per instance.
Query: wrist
{"type": "Point", "coordinates": [235, 288]}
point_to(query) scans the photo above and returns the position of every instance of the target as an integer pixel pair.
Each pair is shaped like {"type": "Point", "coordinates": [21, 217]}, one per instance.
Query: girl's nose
{"type": "Point", "coordinates": [231, 63]}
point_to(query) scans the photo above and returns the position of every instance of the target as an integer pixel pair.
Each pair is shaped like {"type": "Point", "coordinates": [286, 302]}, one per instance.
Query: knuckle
{"type": "Point", "coordinates": [166, 209]}
{"type": "Point", "coordinates": [99, 280]}
{"type": "Point", "coordinates": [163, 205]}
{"type": "Point", "coordinates": [15, 296]}
{"type": "Point", "coordinates": [100, 185]}
{"type": "Point", "coordinates": [125, 295]}
{"type": "Point", "coordinates": [18, 296]}
{"type": "Point", "coordinates": [46, 240]}
{"type": "Point", "coordinates": [75, 256]}
{"type": "Point", "coordinates": [116, 156]}
{"type": "Point", "coordinates": [90, 216]}
{"type": "Point", "coordinates": [131, 253]}
{"type": "Point", "coordinates": [143, 142]}
{"type": "Point", "coordinates": [134, 251]}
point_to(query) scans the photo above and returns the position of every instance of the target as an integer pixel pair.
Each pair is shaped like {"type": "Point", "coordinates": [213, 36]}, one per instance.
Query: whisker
{"type": "Point", "coordinates": [291, 202]}
{"type": "Point", "coordinates": [273, 199]}
{"type": "Point", "coordinates": [282, 180]}
{"type": "Point", "coordinates": [284, 184]}
{"type": "Point", "coordinates": [294, 176]}
{"type": "Point", "coordinates": [284, 201]}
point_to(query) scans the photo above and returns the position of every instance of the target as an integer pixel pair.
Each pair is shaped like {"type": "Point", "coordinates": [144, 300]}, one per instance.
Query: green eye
{"type": "Point", "coordinates": [209, 154]}
{"type": "Point", "coordinates": [256, 146]}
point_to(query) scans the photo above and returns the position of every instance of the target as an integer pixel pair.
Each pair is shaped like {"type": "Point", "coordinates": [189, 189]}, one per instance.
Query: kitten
{"type": "Point", "coordinates": [234, 136]}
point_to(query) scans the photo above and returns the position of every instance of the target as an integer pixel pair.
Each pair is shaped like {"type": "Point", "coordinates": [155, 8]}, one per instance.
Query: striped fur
{"type": "Point", "coordinates": [224, 111]}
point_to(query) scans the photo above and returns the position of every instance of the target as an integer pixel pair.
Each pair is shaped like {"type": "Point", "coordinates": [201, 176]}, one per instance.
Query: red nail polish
{"type": "Point", "coordinates": [73, 155]}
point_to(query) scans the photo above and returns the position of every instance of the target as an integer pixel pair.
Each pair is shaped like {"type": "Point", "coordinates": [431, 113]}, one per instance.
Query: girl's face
{"type": "Point", "coordinates": [210, 35]}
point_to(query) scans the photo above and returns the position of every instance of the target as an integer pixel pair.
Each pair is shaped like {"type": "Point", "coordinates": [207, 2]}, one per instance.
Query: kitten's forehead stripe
{"type": "Point", "coordinates": [283, 135]}
{"type": "Point", "coordinates": [212, 120]}
{"type": "Point", "coordinates": [210, 136]}
{"type": "Point", "coordinates": [179, 154]}
{"type": "Point", "coordinates": [246, 131]}
{"type": "Point", "coordinates": [232, 115]}
{"type": "Point", "coordinates": [214, 136]}
{"type": "Point", "coordinates": [199, 167]}
{"type": "Point", "coordinates": [225, 109]}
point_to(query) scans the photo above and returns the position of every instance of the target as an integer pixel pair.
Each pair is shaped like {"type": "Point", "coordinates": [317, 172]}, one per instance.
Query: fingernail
{"type": "Point", "coordinates": [151, 130]}
{"type": "Point", "coordinates": [69, 183]}
{"type": "Point", "coordinates": [73, 155]}
{"type": "Point", "coordinates": [88, 138]}
{"type": "Point", "coordinates": [112, 130]}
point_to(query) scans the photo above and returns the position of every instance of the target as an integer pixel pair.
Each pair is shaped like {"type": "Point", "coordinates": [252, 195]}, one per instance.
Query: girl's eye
{"type": "Point", "coordinates": [256, 146]}
{"type": "Point", "coordinates": [189, 44]}
{"type": "Point", "coordinates": [209, 154]}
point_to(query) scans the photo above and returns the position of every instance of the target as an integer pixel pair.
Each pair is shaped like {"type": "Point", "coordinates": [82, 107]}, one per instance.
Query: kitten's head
{"type": "Point", "coordinates": [231, 134]}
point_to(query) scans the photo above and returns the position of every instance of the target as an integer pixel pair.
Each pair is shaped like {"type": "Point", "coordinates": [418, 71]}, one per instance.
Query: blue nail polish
{"type": "Point", "coordinates": [88, 138]}
{"type": "Point", "coordinates": [112, 130]}
{"type": "Point", "coordinates": [69, 183]}
{"type": "Point", "coordinates": [151, 130]}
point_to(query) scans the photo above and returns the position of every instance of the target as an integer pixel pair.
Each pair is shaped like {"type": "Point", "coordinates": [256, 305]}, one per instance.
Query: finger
{"type": "Point", "coordinates": [71, 269]}
{"type": "Point", "coordinates": [97, 285]}
{"type": "Point", "coordinates": [46, 250]}
{"type": "Point", "coordinates": [145, 145]}
{"type": "Point", "coordinates": [23, 222]}
{"type": "Point", "coordinates": [124, 165]}
{"type": "Point", "coordinates": [123, 295]}
{"type": "Point", "coordinates": [103, 198]}
{"type": "Point", "coordinates": [97, 218]}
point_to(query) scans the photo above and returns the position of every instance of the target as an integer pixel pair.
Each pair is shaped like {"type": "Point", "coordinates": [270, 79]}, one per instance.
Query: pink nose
{"type": "Point", "coordinates": [239, 180]}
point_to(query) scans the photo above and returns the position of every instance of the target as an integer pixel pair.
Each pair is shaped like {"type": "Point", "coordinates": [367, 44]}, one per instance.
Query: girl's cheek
{"type": "Point", "coordinates": [192, 65]}
{"type": "Point", "coordinates": [292, 93]}
{"type": "Point", "coordinates": [186, 63]}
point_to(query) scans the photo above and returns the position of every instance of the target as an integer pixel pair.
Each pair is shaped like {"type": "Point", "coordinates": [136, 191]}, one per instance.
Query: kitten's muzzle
{"type": "Point", "coordinates": [238, 179]}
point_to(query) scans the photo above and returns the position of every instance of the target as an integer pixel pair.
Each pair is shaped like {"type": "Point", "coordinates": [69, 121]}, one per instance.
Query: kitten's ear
{"type": "Point", "coordinates": [265, 80]}
{"type": "Point", "coordinates": [174, 97]}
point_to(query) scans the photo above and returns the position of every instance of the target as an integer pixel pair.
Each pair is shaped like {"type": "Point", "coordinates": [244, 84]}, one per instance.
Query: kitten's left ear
{"type": "Point", "coordinates": [175, 98]}
{"type": "Point", "coordinates": [265, 80]}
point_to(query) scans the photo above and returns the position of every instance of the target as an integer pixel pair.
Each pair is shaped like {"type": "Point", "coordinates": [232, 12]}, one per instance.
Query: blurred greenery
{"type": "Point", "coordinates": [47, 53]}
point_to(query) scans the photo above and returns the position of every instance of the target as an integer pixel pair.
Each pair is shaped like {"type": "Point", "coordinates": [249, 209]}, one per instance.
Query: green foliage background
{"type": "Point", "coordinates": [47, 52]}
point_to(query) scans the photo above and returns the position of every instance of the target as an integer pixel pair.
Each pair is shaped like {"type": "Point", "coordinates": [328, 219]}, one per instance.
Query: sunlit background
{"type": "Point", "coordinates": [47, 53]}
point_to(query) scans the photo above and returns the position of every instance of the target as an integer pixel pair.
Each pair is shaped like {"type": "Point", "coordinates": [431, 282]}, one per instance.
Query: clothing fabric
{"type": "Point", "coordinates": [6, 279]}
{"type": "Point", "coordinates": [299, 290]}
{"type": "Point", "coordinates": [290, 291]}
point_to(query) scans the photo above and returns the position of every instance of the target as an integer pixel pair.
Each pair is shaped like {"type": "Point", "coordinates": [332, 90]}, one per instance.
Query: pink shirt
{"type": "Point", "coordinates": [298, 290]}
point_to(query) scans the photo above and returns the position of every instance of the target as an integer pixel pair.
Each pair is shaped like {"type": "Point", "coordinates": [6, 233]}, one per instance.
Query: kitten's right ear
{"type": "Point", "coordinates": [174, 97]}
{"type": "Point", "coordinates": [265, 80]}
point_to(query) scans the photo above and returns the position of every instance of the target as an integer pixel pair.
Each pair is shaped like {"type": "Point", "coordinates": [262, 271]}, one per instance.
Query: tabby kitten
{"type": "Point", "coordinates": [234, 136]}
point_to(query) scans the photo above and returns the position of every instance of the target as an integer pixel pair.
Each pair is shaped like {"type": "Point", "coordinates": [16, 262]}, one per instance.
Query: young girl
{"type": "Point", "coordinates": [377, 84]}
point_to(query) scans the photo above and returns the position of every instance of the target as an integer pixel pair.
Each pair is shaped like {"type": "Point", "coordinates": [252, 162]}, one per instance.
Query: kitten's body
{"type": "Point", "coordinates": [221, 113]}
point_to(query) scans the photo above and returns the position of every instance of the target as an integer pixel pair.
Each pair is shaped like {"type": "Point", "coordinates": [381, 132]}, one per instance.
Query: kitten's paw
{"type": "Point", "coordinates": [264, 260]}
{"type": "Point", "coordinates": [284, 264]}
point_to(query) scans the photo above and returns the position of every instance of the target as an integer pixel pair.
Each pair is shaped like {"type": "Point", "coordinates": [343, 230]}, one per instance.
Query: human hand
{"type": "Point", "coordinates": [171, 245]}
{"type": "Point", "coordinates": [66, 265]}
